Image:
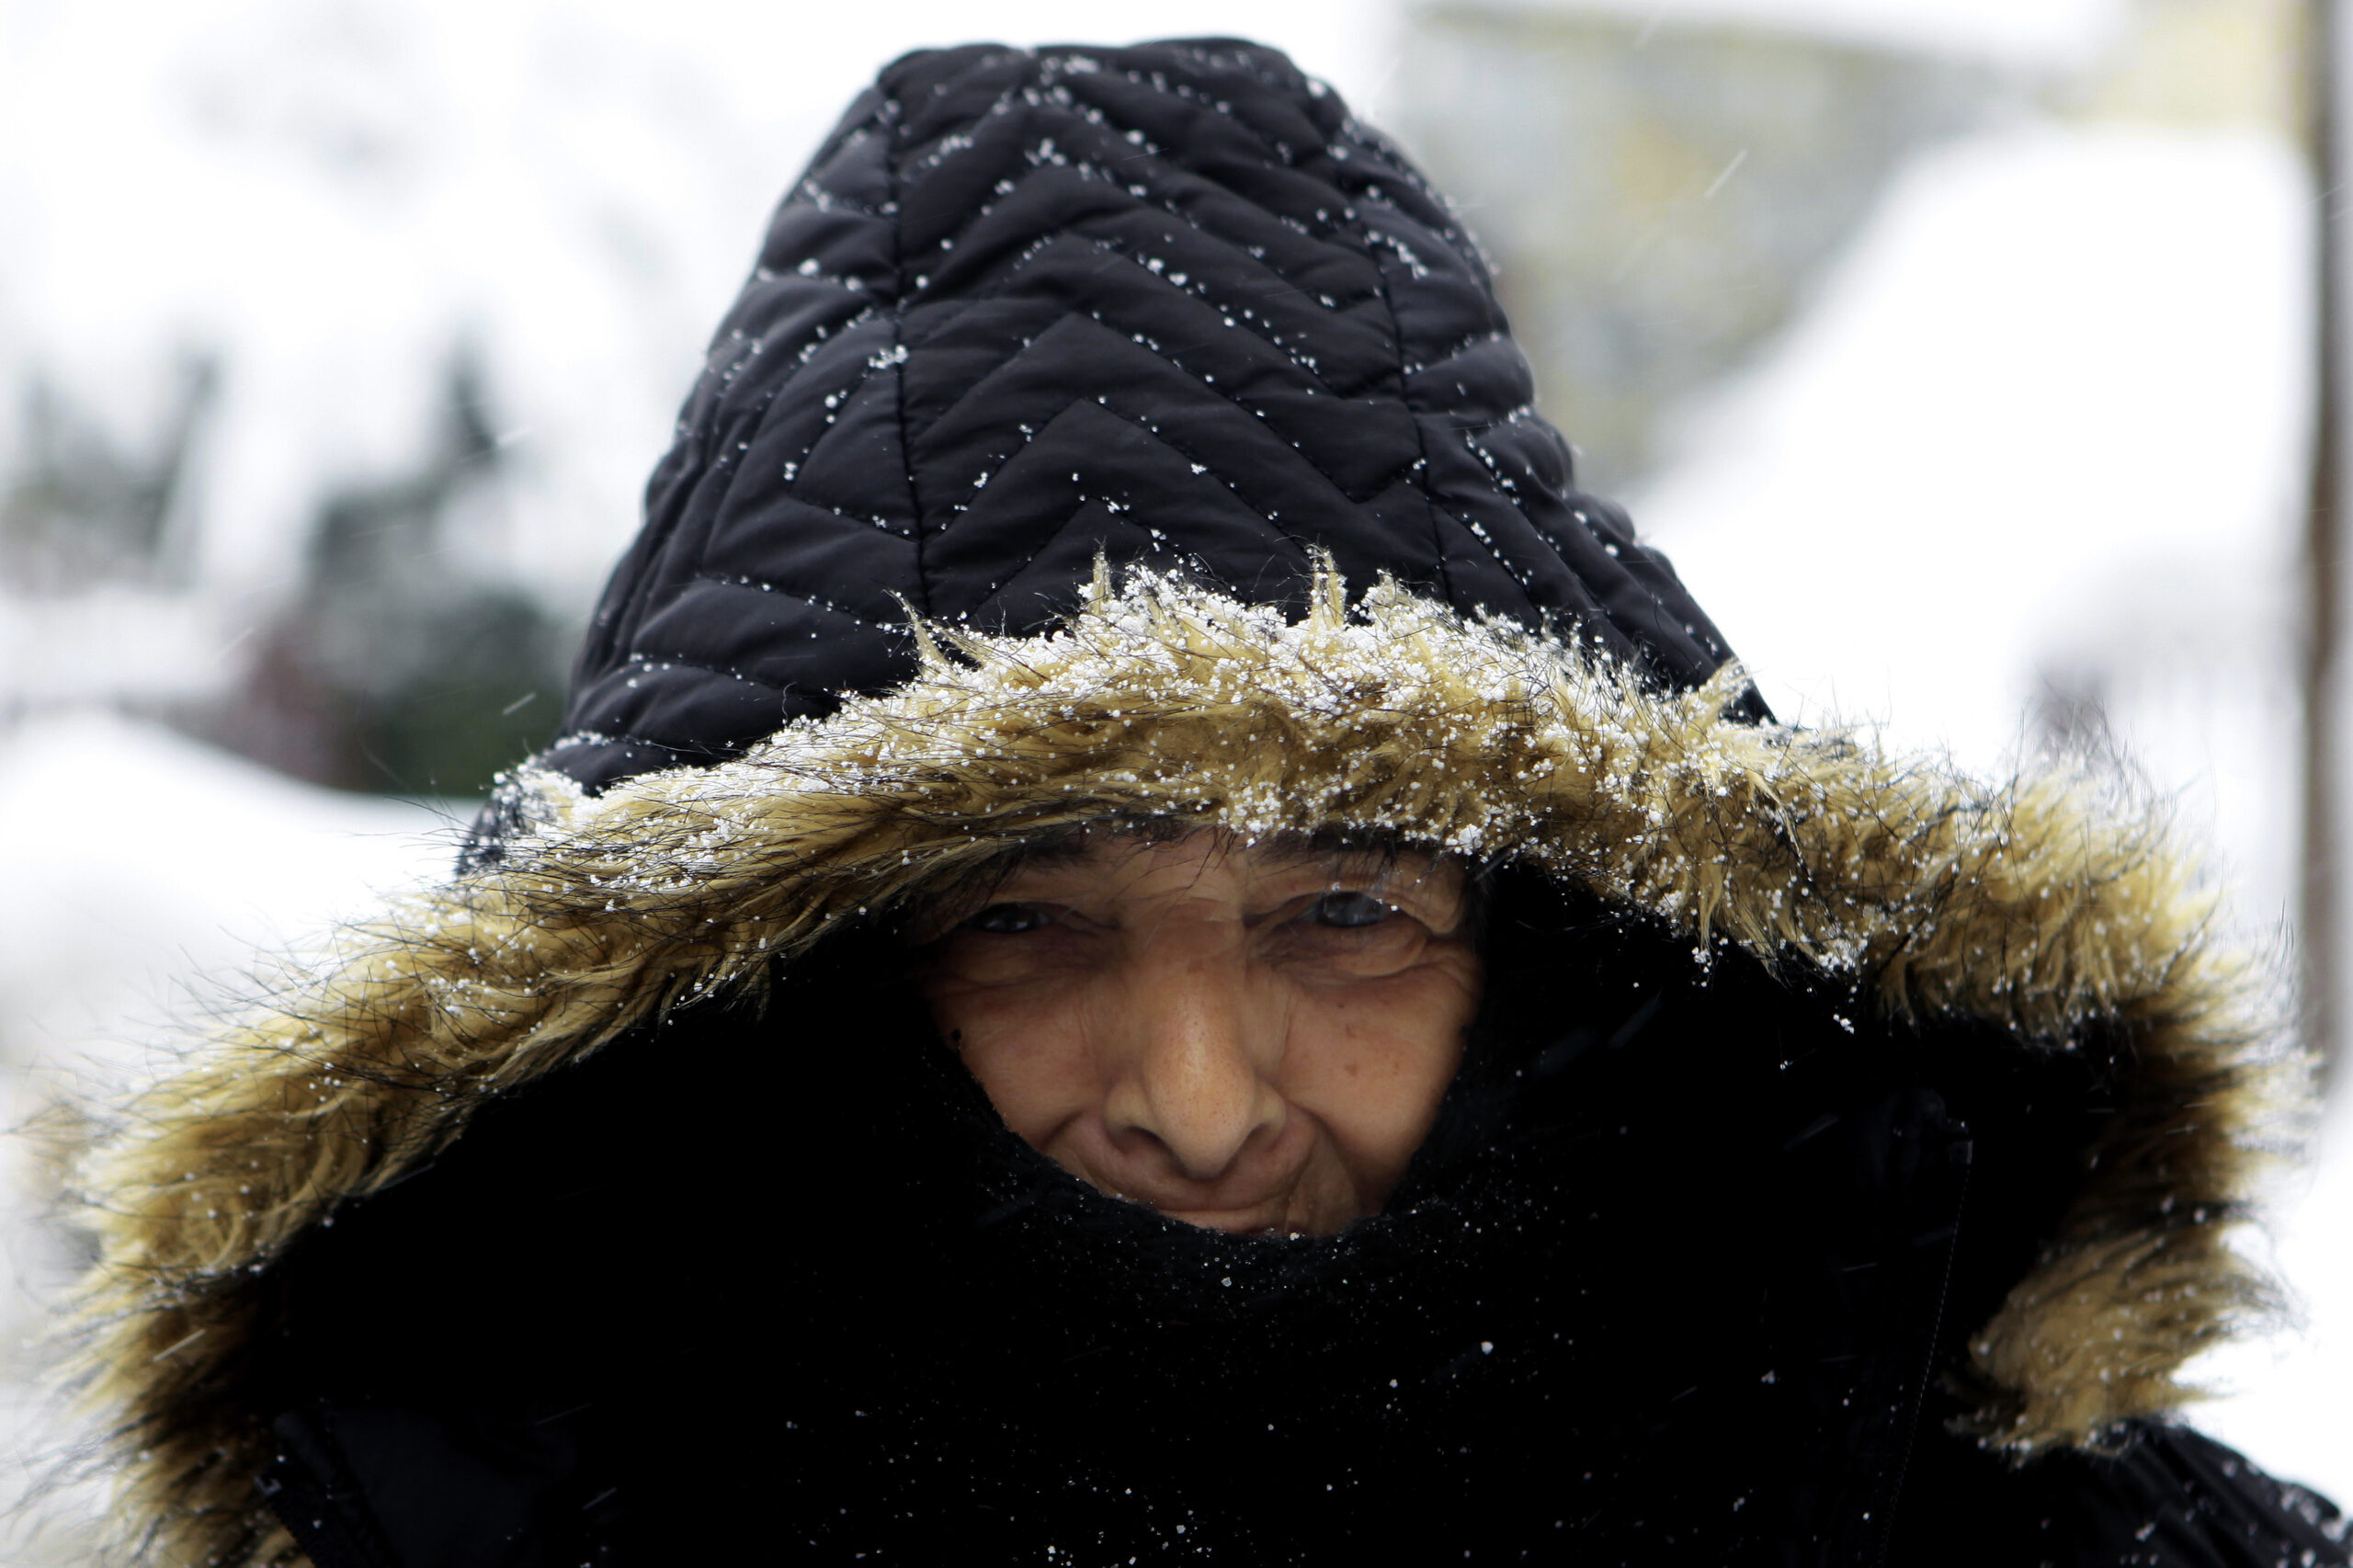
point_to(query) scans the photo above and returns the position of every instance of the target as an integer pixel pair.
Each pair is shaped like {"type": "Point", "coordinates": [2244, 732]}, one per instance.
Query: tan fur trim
{"type": "Point", "coordinates": [2020, 906]}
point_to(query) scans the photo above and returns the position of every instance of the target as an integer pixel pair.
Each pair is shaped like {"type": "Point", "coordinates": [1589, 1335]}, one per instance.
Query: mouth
{"type": "Point", "coordinates": [1280, 1192]}
{"type": "Point", "coordinates": [1260, 1219]}
{"type": "Point", "coordinates": [1237, 1207]}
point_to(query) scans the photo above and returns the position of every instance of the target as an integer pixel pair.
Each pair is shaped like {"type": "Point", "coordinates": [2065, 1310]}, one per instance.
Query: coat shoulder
{"type": "Point", "coordinates": [2161, 1496]}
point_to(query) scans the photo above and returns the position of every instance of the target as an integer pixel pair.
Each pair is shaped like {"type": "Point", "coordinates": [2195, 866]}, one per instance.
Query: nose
{"type": "Point", "coordinates": [1192, 1081]}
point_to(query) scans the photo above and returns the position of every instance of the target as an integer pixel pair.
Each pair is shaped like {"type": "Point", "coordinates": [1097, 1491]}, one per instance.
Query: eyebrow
{"type": "Point", "coordinates": [1341, 854]}
{"type": "Point", "coordinates": [1292, 850]}
{"type": "Point", "coordinates": [1287, 851]}
{"type": "Point", "coordinates": [1062, 849]}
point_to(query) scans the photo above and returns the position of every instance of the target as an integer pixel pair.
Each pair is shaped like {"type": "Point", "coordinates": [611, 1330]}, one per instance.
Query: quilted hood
{"type": "Point", "coordinates": [1169, 304]}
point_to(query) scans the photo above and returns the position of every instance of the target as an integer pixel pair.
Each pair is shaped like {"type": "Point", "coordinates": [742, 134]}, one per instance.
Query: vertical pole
{"type": "Point", "coordinates": [2322, 561]}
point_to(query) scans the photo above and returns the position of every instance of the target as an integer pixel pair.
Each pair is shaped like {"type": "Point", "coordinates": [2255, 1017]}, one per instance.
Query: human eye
{"type": "Point", "coordinates": [1348, 911]}
{"type": "Point", "coordinates": [1010, 919]}
{"type": "Point", "coordinates": [1346, 934]}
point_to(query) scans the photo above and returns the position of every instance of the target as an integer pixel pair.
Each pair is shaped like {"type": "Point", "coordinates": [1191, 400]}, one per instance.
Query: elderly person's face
{"type": "Point", "coordinates": [1244, 1037]}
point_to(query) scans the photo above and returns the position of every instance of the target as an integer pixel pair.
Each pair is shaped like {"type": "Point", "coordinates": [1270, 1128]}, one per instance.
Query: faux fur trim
{"type": "Point", "coordinates": [1936, 897]}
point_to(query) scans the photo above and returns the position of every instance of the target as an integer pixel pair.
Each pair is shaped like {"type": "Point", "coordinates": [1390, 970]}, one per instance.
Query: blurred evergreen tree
{"type": "Point", "coordinates": [403, 666]}
{"type": "Point", "coordinates": [82, 508]}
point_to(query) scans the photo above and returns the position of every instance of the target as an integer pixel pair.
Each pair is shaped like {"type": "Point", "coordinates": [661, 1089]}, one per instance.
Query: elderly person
{"type": "Point", "coordinates": [1148, 938]}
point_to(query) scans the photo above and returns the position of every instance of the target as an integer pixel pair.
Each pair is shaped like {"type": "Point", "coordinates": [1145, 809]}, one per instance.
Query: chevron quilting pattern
{"type": "Point", "coordinates": [1165, 304]}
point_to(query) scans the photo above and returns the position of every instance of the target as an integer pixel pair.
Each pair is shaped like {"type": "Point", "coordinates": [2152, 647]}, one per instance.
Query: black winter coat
{"type": "Point", "coordinates": [1836, 1176]}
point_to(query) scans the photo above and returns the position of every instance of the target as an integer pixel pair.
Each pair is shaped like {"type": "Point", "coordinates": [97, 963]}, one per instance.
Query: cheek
{"type": "Point", "coordinates": [1372, 1060]}
{"type": "Point", "coordinates": [1027, 1047]}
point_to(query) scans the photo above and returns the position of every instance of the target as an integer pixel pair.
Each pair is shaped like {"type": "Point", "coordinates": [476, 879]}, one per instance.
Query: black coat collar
{"type": "Point", "coordinates": [1665, 1287]}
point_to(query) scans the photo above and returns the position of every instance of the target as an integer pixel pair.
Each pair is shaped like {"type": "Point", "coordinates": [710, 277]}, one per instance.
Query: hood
{"type": "Point", "coordinates": [1131, 434]}
{"type": "Point", "coordinates": [1168, 304]}
{"type": "Point", "coordinates": [2022, 917]}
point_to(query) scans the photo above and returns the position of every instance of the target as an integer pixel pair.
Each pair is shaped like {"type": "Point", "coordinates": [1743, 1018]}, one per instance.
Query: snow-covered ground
{"type": "Point", "coordinates": [145, 874]}
{"type": "Point", "coordinates": [143, 868]}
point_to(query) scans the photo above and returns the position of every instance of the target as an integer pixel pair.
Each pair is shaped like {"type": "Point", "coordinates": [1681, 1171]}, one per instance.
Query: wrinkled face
{"type": "Point", "coordinates": [1240, 1036]}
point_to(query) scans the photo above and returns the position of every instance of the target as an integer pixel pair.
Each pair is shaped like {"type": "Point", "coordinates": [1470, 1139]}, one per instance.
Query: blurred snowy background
{"type": "Point", "coordinates": [1960, 351]}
